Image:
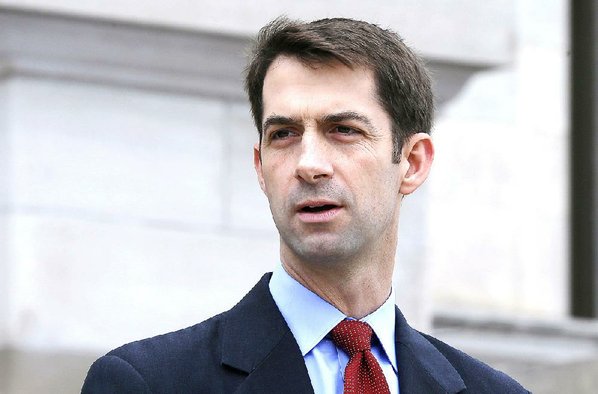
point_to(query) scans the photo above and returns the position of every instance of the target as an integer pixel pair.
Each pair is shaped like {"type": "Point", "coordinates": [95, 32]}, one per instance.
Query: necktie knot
{"type": "Point", "coordinates": [352, 336]}
{"type": "Point", "coordinates": [363, 374]}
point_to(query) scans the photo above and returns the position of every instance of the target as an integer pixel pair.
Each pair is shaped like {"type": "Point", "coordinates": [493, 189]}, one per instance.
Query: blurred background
{"type": "Point", "coordinates": [129, 205]}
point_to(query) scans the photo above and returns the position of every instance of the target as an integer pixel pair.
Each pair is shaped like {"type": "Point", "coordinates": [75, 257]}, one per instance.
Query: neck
{"type": "Point", "coordinates": [356, 288]}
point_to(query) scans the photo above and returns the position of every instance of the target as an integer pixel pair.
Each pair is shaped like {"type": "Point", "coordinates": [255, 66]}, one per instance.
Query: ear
{"type": "Point", "coordinates": [417, 154]}
{"type": "Point", "coordinates": [257, 164]}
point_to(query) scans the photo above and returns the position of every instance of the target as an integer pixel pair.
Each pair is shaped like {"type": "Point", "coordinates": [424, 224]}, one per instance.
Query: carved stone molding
{"type": "Point", "coordinates": [141, 56]}
{"type": "Point", "coordinates": [34, 43]}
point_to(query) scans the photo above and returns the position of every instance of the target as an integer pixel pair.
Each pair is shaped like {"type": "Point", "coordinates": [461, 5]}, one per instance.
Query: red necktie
{"type": "Point", "coordinates": [363, 374]}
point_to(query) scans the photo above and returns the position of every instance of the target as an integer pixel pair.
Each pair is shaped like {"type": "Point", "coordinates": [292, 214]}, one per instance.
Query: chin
{"type": "Point", "coordinates": [323, 252]}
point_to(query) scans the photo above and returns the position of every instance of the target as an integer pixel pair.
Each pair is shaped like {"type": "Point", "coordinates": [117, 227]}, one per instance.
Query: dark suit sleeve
{"type": "Point", "coordinates": [112, 374]}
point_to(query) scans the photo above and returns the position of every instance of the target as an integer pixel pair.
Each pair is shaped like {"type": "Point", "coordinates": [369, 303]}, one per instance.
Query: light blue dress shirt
{"type": "Point", "coordinates": [310, 319]}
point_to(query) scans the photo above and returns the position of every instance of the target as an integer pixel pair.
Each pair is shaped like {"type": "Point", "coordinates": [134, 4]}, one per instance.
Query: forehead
{"type": "Point", "coordinates": [294, 88]}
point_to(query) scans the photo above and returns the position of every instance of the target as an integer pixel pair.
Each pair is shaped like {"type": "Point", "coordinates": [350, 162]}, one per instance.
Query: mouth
{"type": "Point", "coordinates": [318, 211]}
{"type": "Point", "coordinates": [318, 208]}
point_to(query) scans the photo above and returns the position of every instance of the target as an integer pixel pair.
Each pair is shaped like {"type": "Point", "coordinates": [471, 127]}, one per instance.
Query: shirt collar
{"type": "Point", "coordinates": [310, 318]}
{"type": "Point", "coordinates": [382, 321]}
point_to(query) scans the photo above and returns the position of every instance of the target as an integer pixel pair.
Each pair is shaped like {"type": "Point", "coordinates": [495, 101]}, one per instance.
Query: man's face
{"type": "Point", "coordinates": [326, 162]}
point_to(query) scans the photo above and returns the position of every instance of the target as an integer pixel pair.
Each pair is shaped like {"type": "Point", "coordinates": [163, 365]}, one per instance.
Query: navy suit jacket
{"type": "Point", "coordinates": [250, 349]}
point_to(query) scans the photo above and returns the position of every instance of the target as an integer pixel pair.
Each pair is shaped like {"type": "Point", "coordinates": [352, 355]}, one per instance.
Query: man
{"type": "Point", "coordinates": [343, 109]}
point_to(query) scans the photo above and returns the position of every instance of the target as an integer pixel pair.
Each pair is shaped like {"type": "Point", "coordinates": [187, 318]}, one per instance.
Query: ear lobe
{"type": "Point", "coordinates": [257, 164]}
{"type": "Point", "coordinates": [419, 154]}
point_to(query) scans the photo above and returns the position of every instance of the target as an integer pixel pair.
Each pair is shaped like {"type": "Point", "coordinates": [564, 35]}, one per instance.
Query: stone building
{"type": "Point", "coordinates": [129, 205]}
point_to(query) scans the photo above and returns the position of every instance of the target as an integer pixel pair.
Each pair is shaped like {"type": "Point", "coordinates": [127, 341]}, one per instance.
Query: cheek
{"type": "Point", "coordinates": [273, 183]}
{"type": "Point", "coordinates": [386, 185]}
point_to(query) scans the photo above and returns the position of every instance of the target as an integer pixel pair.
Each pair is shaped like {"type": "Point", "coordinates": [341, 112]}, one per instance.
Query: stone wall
{"type": "Point", "coordinates": [133, 207]}
{"type": "Point", "coordinates": [128, 201]}
{"type": "Point", "coordinates": [499, 190]}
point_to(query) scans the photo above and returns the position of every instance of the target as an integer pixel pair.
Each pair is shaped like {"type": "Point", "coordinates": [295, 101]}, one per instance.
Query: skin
{"type": "Point", "coordinates": [327, 140]}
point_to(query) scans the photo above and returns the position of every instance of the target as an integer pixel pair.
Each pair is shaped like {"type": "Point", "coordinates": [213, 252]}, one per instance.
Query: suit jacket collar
{"type": "Point", "coordinates": [422, 368]}
{"type": "Point", "coordinates": [256, 340]}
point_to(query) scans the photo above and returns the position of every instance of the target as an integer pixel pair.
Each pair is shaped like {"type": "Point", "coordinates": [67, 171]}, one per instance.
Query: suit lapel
{"type": "Point", "coordinates": [283, 370]}
{"type": "Point", "coordinates": [256, 340]}
{"type": "Point", "coordinates": [422, 368]}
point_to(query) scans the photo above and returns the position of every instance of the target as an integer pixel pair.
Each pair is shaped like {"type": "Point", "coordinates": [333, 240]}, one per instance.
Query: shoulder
{"type": "Point", "coordinates": [187, 360]}
{"type": "Point", "coordinates": [201, 338]}
{"type": "Point", "coordinates": [164, 363]}
{"type": "Point", "coordinates": [477, 376]}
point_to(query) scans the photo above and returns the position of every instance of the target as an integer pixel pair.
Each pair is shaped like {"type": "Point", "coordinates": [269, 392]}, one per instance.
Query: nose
{"type": "Point", "coordinates": [314, 163]}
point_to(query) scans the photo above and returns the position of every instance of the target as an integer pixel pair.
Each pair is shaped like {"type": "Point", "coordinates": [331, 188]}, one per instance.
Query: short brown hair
{"type": "Point", "coordinates": [403, 84]}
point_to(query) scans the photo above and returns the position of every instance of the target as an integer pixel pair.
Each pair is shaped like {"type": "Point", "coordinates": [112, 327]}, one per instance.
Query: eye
{"type": "Point", "coordinates": [345, 130]}
{"type": "Point", "coordinates": [281, 134]}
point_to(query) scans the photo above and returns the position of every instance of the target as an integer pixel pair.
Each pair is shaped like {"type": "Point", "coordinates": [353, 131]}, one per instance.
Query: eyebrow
{"type": "Point", "coordinates": [279, 120]}
{"type": "Point", "coordinates": [330, 118]}
{"type": "Point", "coordinates": [348, 115]}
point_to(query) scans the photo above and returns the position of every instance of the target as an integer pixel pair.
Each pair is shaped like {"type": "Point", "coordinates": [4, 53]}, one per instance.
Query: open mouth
{"type": "Point", "coordinates": [318, 208]}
